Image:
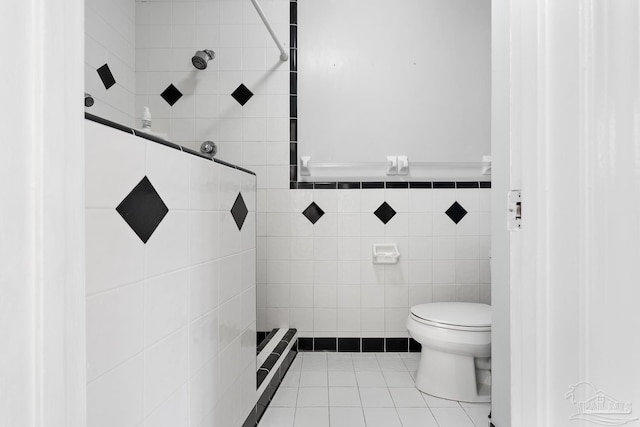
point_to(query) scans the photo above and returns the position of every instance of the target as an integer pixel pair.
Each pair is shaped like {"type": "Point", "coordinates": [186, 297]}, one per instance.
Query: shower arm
{"type": "Point", "coordinates": [283, 54]}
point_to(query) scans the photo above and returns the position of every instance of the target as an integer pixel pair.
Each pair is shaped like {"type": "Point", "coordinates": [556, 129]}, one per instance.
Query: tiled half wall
{"type": "Point", "coordinates": [170, 290]}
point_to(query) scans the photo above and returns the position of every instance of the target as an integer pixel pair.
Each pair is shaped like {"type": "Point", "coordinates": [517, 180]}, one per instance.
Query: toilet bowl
{"type": "Point", "coordinates": [455, 362]}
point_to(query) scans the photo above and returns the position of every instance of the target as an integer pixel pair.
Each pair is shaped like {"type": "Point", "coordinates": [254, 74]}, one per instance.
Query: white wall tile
{"type": "Point", "coordinates": [204, 280]}
{"type": "Point", "coordinates": [167, 248]}
{"type": "Point", "coordinates": [165, 305]}
{"type": "Point", "coordinates": [165, 369]}
{"type": "Point", "coordinates": [114, 253]}
{"type": "Point", "coordinates": [173, 412]}
{"type": "Point", "coordinates": [115, 399]}
{"type": "Point", "coordinates": [113, 342]}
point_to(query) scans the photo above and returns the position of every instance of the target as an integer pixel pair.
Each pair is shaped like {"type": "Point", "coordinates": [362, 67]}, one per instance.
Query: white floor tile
{"type": "Point", "coordinates": [278, 417]}
{"type": "Point", "coordinates": [411, 364]}
{"type": "Point", "coordinates": [479, 415]}
{"type": "Point", "coordinates": [437, 402]}
{"type": "Point", "coordinates": [344, 396]}
{"type": "Point", "coordinates": [285, 397]}
{"type": "Point", "coordinates": [398, 379]}
{"type": "Point", "coordinates": [370, 379]}
{"type": "Point", "coordinates": [342, 379]}
{"type": "Point", "coordinates": [416, 417]}
{"type": "Point", "coordinates": [376, 397]}
{"type": "Point", "coordinates": [331, 389]}
{"type": "Point", "coordinates": [311, 417]}
{"type": "Point", "coordinates": [291, 379]}
{"type": "Point", "coordinates": [313, 396]}
{"type": "Point", "coordinates": [382, 417]}
{"type": "Point", "coordinates": [345, 364]}
{"type": "Point", "coordinates": [407, 398]}
{"type": "Point", "coordinates": [365, 365]}
{"type": "Point", "coordinates": [451, 417]}
{"type": "Point", "coordinates": [346, 417]}
{"type": "Point", "coordinates": [388, 355]}
{"type": "Point", "coordinates": [310, 364]}
{"type": "Point", "coordinates": [313, 379]}
{"type": "Point", "coordinates": [392, 365]}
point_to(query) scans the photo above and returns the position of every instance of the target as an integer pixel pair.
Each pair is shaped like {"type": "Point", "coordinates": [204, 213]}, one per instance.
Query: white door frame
{"type": "Point", "coordinates": [42, 322]}
{"type": "Point", "coordinates": [570, 113]}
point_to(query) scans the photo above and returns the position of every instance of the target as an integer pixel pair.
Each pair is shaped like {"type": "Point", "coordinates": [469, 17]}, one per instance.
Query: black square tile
{"type": "Point", "coordinates": [293, 106]}
{"type": "Point", "coordinates": [171, 94]}
{"type": "Point", "coordinates": [414, 346]}
{"type": "Point", "coordinates": [324, 344]}
{"type": "Point", "coordinates": [252, 419]}
{"type": "Point", "coordinates": [143, 209]}
{"type": "Point", "coordinates": [305, 344]}
{"type": "Point", "coordinates": [385, 212]}
{"type": "Point", "coordinates": [373, 345]}
{"type": "Point", "coordinates": [261, 375]}
{"type": "Point", "coordinates": [313, 212]}
{"type": "Point", "coordinates": [106, 76]}
{"type": "Point", "coordinates": [444, 184]}
{"type": "Point", "coordinates": [397, 345]}
{"type": "Point", "coordinates": [456, 212]}
{"type": "Point", "coordinates": [242, 94]}
{"type": "Point", "coordinates": [349, 344]}
{"type": "Point", "coordinates": [239, 211]}
{"type": "Point", "coordinates": [372, 185]}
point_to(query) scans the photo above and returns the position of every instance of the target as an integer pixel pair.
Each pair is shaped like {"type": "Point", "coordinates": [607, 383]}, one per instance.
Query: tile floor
{"type": "Point", "coordinates": [363, 390]}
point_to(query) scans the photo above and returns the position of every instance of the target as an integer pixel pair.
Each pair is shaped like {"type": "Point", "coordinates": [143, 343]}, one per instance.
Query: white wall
{"type": "Point", "coordinates": [170, 323]}
{"type": "Point", "coordinates": [421, 68]}
{"type": "Point", "coordinates": [110, 38]}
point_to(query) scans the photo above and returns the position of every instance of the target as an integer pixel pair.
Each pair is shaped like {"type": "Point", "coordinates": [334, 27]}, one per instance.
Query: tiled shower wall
{"type": "Point", "coordinates": [316, 277]}
{"type": "Point", "coordinates": [320, 277]}
{"type": "Point", "coordinates": [168, 33]}
{"type": "Point", "coordinates": [110, 41]}
{"type": "Point", "coordinates": [170, 285]}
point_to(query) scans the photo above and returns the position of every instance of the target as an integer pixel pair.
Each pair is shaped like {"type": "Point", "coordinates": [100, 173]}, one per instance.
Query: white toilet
{"type": "Point", "coordinates": [456, 349]}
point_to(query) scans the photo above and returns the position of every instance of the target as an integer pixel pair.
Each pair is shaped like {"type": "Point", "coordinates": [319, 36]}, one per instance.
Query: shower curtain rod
{"type": "Point", "coordinates": [283, 54]}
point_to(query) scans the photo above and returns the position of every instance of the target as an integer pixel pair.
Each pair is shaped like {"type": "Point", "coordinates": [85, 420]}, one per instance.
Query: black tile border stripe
{"type": "Point", "coordinates": [272, 359]}
{"type": "Point", "coordinates": [359, 345]}
{"type": "Point", "coordinates": [126, 129]}
{"type": "Point", "coordinates": [294, 184]}
{"type": "Point", "coordinates": [263, 400]}
{"type": "Point", "coordinates": [267, 337]}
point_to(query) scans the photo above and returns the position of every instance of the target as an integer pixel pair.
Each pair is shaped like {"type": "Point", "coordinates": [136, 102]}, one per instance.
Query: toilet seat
{"type": "Point", "coordinates": [454, 315]}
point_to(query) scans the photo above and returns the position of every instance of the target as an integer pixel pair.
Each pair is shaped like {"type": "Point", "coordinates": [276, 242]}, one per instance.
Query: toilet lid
{"type": "Point", "coordinates": [455, 313]}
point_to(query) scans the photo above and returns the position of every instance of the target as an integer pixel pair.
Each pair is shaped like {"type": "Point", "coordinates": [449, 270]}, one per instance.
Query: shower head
{"type": "Point", "coordinates": [201, 58]}
{"type": "Point", "coordinates": [88, 100]}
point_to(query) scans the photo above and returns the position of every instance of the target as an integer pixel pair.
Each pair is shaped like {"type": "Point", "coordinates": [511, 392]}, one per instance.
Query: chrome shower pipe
{"type": "Point", "coordinates": [283, 53]}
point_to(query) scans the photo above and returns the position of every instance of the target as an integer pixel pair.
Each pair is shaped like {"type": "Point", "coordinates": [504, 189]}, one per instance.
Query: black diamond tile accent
{"type": "Point", "coordinates": [105, 75]}
{"type": "Point", "coordinates": [313, 212]}
{"type": "Point", "coordinates": [385, 212]}
{"type": "Point", "coordinates": [242, 94]}
{"type": "Point", "coordinates": [456, 212]}
{"type": "Point", "coordinates": [171, 94]}
{"type": "Point", "coordinates": [239, 211]}
{"type": "Point", "coordinates": [143, 209]}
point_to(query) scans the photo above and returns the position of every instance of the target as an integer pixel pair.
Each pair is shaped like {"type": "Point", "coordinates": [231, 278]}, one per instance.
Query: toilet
{"type": "Point", "coordinates": [455, 362]}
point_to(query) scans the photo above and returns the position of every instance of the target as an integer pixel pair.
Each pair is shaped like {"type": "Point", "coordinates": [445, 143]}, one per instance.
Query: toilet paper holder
{"type": "Point", "coordinates": [385, 253]}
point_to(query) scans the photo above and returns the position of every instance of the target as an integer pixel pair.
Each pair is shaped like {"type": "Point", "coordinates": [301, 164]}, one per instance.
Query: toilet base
{"type": "Point", "coordinates": [452, 376]}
